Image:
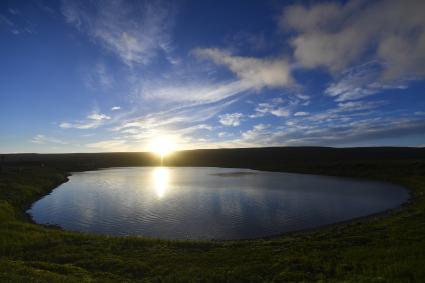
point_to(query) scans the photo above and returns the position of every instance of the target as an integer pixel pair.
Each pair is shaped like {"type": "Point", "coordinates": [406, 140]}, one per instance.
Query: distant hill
{"type": "Point", "coordinates": [270, 158]}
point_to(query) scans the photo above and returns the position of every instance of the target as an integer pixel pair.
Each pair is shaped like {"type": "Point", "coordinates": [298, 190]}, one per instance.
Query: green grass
{"type": "Point", "coordinates": [384, 248]}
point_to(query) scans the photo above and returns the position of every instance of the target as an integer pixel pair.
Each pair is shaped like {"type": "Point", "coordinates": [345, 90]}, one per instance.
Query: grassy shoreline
{"type": "Point", "coordinates": [387, 247]}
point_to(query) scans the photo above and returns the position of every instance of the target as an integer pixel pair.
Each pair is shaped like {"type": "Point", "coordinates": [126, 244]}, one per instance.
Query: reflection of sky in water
{"type": "Point", "coordinates": [205, 203]}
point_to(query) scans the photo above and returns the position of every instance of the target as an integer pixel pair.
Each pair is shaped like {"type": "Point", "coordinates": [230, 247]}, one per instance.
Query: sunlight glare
{"type": "Point", "coordinates": [161, 176]}
{"type": "Point", "coordinates": [162, 146]}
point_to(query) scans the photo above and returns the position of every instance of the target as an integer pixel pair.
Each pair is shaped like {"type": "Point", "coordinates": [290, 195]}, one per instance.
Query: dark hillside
{"type": "Point", "coordinates": [271, 158]}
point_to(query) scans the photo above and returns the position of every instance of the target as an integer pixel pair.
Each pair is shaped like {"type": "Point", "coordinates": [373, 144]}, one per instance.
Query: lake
{"type": "Point", "coordinates": [208, 202]}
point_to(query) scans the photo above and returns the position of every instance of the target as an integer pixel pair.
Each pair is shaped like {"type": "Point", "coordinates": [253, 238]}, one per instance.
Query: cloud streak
{"type": "Point", "coordinates": [194, 93]}
{"type": "Point", "coordinates": [42, 139]}
{"type": "Point", "coordinates": [94, 120]}
{"type": "Point", "coordinates": [107, 23]}
{"type": "Point", "coordinates": [257, 73]}
{"type": "Point", "coordinates": [360, 82]}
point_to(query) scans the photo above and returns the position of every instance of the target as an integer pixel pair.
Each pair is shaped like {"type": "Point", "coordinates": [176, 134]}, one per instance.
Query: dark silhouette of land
{"type": "Point", "coordinates": [268, 158]}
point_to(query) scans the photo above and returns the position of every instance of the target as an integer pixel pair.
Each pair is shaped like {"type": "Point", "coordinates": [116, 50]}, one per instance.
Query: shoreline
{"type": "Point", "coordinates": [382, 214]}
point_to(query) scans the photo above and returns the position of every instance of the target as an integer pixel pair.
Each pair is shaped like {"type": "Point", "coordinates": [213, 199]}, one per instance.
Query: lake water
{"type": "Point", "coordinates": [207, 202]}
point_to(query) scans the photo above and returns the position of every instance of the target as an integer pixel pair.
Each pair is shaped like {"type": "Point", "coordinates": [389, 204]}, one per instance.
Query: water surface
{"type": "Point", "coordinates": [207, 202]}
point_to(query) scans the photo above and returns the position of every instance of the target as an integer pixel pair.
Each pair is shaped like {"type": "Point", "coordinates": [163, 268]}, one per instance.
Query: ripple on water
{"type": "Point", "coordinates": [208, 203]}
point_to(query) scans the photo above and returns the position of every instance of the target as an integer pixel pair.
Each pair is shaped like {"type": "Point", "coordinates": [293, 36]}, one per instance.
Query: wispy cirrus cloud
{"type": "Point", "coordinates": [42, 139]}
{"type": "Point", "coordinates": [180, 124]}
{"type": "Point", "coordinates": [194, 93]}
{"type": "Point", "coordinates": [176, 116]}
{"type": "Point", "coordinates": [93, 121]}
{"type": "Point", "coordinates": [135, 32]}
{"type": "Point", "coordinates": [15, 22]}
{"type": "Point", "coordinates": [98, 77]}
{"type": "Point", "coordinates": [369, 130]}
{"type": "Point", "coordinates": [361, 81]}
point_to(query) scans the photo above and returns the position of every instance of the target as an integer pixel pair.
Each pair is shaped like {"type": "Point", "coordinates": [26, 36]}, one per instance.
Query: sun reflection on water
{"type": "Point", "coordinates": [161, 179]}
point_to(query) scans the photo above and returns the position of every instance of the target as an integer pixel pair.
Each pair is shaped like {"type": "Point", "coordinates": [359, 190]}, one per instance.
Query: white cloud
{"type": "Point", "coordinates": [194, 93]}
{"type": "Point", "coordinates": [336, 131]}
{"type": "Point", "coordinates": [223, 134]}
{"type": "Point", "coordinates": [271, 108]}
{"type": "Point", "coordinates": [42, 139]}
{"type": "Point", "coordinates": [258, 131]}
{"type": "Point", "coordinates": [98, 116]}
{"type": "Point", "coordinates": [335, 36]}
{"type": "Point", "coordinates": [182, 122]}
{"type": "Point", "coordinates": [93, 121]}
{"type": "Point", "coordinates": [303, 97]}
{"type": "Point", "coordinates": [134, 32]}
{"type": "Point", "coordinates": [359, 82]}
{"type": "Point", "coordinates": [254, 72]}
{"type": "Point", "coordinates": [233, 119]}
{"type": "Point", "coordinates": [358, 105]}
{"type": "Point", "coordinates": [115, 108]}
{"type": "Point", "coordinates": [301, 113]}
{"type": "Point", "coordinates": [81, 125]}
{"type": "Point", "coordinates": [280, 112]}
{"type": "Point", "coordinates": [152, 121]}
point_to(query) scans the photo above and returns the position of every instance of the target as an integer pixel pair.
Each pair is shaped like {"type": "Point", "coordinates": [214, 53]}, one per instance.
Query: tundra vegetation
{"type": "Point", "coordinates": [388, 247]}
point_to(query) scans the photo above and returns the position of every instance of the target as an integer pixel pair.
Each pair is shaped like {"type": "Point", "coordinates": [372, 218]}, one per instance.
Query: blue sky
{"type": "Point", "coordinates": [92, 76]}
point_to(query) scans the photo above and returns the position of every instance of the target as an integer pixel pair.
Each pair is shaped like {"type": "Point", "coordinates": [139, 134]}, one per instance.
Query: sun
{"type": "Point", "coordinates": [162, 146]}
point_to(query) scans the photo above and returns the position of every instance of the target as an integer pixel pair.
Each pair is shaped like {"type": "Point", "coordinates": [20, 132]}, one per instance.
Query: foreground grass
{"type": "Point", "coordinates": [383, 248]}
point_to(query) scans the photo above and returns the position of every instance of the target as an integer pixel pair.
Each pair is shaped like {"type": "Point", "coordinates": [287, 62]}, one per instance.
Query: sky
{"type": "Point", "coordinates": [96, 76]}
